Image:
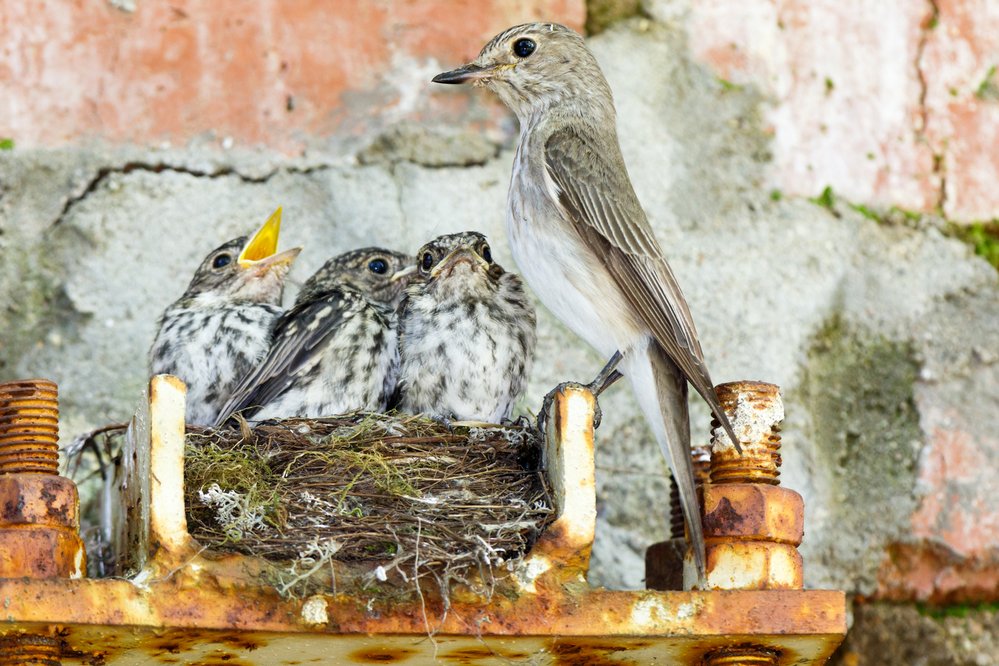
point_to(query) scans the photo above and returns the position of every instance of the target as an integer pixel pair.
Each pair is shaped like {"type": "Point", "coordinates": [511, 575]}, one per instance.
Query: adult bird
{"type": "Point", "coordinates": [468, 333]}
{"type": "Point", "coordinates": [213, 334]}
{"type": "Point", "coordinates": [581, 239]}
{"type": "Point", "coordinates": [336, 349]}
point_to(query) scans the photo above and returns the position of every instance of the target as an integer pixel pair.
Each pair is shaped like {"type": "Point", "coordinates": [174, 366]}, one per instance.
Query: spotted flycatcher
{"type": "Point", "coordinates": [581, 239]}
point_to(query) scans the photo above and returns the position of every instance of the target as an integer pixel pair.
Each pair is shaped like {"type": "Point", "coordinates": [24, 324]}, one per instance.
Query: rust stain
{"type": "Point", "coordinates": [381, 655]}
{"type": "Point", "coordinates": [753, 511]}
{"type": "Point", "coordinates": [582, 652]}
{"type": "Point", "coordinates": [724, 518]}
{"type": "Point", "coordinates": [470, 655]}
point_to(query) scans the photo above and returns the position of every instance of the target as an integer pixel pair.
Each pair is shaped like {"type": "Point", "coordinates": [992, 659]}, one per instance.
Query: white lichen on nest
{"type": "Point", "coordinates": [401, 498]}
{"type": "Point", "coordinates": [233, 511]}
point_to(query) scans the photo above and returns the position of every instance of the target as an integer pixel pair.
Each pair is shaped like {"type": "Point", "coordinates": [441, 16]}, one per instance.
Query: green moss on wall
{"type": "Point", "coordinates": [983, 237]}
{"type": "Point", "coordinates": [39, 306]}
{"type": "Point", "coordinates": [858, 390]}
{"type": "Point", "coordinates": [600, 14]}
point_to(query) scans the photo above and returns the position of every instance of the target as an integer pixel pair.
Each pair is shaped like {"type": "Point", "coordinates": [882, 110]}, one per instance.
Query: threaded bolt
{"type": "Point", "coordinates": [755, 410]}
{"type": "Point", "coordinates": [702, 464]}
{"type": "Point", "coordinates": [29, 427]}
{"type": "Point", "coordinates": [29, 650]}
{"type": "Point", "coordinates": [742, 656]}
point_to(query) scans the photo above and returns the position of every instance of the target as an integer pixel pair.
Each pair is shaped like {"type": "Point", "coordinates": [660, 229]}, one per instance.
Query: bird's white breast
{"type": "Point", "coordinates": [566, 275]}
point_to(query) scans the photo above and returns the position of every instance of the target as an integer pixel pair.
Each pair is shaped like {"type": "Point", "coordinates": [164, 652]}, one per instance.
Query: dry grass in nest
{"type": "Point", "coordinates": [403, 497]}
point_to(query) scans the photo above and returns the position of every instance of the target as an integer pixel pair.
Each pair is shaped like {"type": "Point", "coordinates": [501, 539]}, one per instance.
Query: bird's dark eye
{"type": "Point", "coordinates": [222, 260]}
{"type": "Point", "coordinates": [524, 47]}
{"type": "Point", "coordinates": [427, 261]}
{"type": "Point", "coordinates": [486, 253]}
{"type": "Point", "coordinates": [377, 266]}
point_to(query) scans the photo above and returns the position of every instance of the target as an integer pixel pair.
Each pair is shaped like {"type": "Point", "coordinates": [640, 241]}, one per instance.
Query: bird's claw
{"type": "Point", "coordinates": [606, 378]}
{"type": "Point", "coordinates": [445, 420]}
{"type": "Point", "coordinates": [549, 400]}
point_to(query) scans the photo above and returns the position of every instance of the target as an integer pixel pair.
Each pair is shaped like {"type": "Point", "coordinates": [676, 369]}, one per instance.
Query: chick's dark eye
{"type": "Point", "coordinates": [427, 261]}
{"type": "Point", "coordinates": [524, 47]}
{"type": "Point", "coordinates": [377, 266]}
{"type": "Point", "coordinates": [486, 253]}
{"type": "Point", "coordinates": [221, 260]}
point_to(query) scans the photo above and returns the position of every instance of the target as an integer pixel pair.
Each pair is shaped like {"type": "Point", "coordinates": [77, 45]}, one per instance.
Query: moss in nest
{"type": "Point", "coordinates": [404, 495]}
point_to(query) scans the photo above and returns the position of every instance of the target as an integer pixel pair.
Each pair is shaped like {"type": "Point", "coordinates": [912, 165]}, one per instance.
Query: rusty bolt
{"type": "Point", "coordinates": [702, 467]}
{"type": "Point", "coordinates": [29, 650]}
{"type": "Point", "coordinates": [748, 655]}
{"type": "Point", "coordinates": [752, 526]}
{"type": "Point", "coordinates": [755, 410]}
{"type": "Point", "coordinates": [39, 510]}
{"type": "Point", "coordinates": [29, 427]}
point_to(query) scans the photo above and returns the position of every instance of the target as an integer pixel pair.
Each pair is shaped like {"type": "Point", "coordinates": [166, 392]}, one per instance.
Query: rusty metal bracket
{"type": "Point", "coordinates": [186, 605]}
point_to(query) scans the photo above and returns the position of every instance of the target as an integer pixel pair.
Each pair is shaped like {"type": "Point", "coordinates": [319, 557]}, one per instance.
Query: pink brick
{"type": "Point", "coordinates": [861, 132]}
{"type": "Point", "coordinates": [952, 552]}
{"type": "Point", "coordinates": [172, 71]}
{"type": "Point", "coordinates": [963, 127]}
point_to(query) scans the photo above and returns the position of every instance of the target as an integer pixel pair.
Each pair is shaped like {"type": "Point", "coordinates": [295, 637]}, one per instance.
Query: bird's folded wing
{"type": "Point", "coordinates": [298, 341]}
{"type": "Point", "coordinates": [599, 201]}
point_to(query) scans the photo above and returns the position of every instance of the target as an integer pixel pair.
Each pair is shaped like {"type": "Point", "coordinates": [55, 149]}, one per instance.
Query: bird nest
{"type": "Point", "coordinates": [398, 497]}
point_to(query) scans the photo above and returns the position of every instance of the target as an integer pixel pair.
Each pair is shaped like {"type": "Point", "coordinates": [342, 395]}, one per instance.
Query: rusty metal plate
{"type": "Point", "coordinates": [185, 606]}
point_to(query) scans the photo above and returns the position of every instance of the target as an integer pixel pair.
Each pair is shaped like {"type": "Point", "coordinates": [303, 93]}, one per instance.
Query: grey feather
{"type": "Point", "coordinates": [597, 194]}
{"type": "Point", "coordinates": [298, 341]}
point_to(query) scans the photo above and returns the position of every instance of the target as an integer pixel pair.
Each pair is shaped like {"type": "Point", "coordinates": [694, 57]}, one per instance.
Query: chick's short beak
{"type": "Point", "coordinates": [467, 73]}
{"type": "Point", "coordinates": [264, 243]}
{"type": "Point", "coordinates": [455, 257]}
{"type": "Point", "coordinates": [406, 275]}
{"type": "Point", "coordinates": [274, 262]}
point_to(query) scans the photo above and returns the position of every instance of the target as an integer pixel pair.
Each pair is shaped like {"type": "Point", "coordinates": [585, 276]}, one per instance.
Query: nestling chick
{"type": "Point", "coordinates": [468, 333]}
{"type": "Point", "coordinates": [336, 350]}
{"type": "Point", "coordinates": [213, 334]}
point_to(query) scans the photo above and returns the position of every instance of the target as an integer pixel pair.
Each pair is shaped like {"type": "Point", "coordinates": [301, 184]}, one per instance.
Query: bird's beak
{"type": "Point", "coordinates": [470, 72]}
{"type": "Point", "coordinates": [455, 257]}
{"type": "Point", "coordinates": [275, 261]}
{"type": "Point", "coordinates": [406, 274]}
{"type": "Point", "coordinates": [264, 243]}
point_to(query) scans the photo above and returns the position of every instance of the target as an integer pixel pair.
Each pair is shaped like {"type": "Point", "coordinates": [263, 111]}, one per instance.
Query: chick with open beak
{"type": "Point", "coordinates": [336, 350]}
{"type": "Point", "coordinates": [213, 334]}
{"type": "Point", "coordinates": [468, 333]}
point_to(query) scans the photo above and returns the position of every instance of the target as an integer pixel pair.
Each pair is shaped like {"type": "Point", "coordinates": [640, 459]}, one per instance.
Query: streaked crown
{"type": "Point", "coordinates": [376, 272]}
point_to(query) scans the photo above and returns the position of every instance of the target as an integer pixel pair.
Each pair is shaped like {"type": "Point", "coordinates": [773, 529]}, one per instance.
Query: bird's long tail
{"type": "Point", "coordinates": [661, 390]}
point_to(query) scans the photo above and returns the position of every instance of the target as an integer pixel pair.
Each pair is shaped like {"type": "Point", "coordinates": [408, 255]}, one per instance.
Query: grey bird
{"type": "Point", "coordinates": [336, 349]}
{"type": "Point", "coordinates": [583, 242]}
{"type": "Point", "coordinates": [213, 334]}
{"type": "Point", "coordinates": [468, 333]}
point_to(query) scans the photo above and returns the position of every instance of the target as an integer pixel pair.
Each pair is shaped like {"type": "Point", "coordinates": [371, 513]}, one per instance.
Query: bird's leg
{"type": "Point", "coordinates": [606, 378]}
{"type": "Point", "coordinates": [607, 375]}
{"type": "Point", "coordinates": [446, 420]}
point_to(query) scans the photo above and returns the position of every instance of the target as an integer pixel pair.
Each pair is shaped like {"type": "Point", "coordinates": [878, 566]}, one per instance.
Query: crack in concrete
{"type": "Point", "coordinates": [107, 171]}
{"type": "Point", "coordinates": [160, 167]}
{"type": "Point", "coordinates": [939, 166]}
